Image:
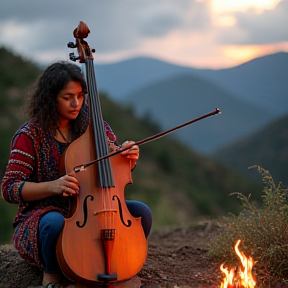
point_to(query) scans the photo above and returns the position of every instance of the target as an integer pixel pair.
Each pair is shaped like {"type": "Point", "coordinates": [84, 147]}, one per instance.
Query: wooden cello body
{"type": "Point", "coordinates": [101, 241]}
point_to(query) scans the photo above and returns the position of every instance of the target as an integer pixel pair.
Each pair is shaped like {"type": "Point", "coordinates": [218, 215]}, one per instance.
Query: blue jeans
{"type": "Point", "coordinates": [52, 223]}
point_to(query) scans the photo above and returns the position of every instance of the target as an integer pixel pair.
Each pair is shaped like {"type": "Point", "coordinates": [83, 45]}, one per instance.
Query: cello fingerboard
{"type": "Point", "coordinates": [104, 167]}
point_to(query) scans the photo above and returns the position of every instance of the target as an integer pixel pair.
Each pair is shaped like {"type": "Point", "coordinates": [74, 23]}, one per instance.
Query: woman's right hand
{"type": "Point", "coordinates": [66, 185]}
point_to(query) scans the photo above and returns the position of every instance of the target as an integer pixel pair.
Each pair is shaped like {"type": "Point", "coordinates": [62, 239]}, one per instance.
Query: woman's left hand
{"type": "Point", "coordinates": [132, 153]}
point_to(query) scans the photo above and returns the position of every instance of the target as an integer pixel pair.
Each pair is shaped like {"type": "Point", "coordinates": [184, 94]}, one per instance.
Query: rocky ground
{"type": "Point", "coordinates": [180, 257]}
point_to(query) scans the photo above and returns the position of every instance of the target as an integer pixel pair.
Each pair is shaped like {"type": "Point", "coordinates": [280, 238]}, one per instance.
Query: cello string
{"type": "Point", "coordinates": [105, 168]}
{"type": "Point", "coordinates": [102, 148]}
{"type": "Point", "coordinates": [94, 118]}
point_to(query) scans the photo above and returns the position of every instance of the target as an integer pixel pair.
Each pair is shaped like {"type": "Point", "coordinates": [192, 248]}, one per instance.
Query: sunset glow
{"type": "Point", "coordinates": [225, 20]}
{"type": "Point", "coordinates": [244, 53]}
{"type": "Point", "coordinates": [223, 16]}
{"type": "Point", "coordinates": [223, 6]}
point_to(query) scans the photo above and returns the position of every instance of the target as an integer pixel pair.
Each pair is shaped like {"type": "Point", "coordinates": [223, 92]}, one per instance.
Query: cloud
{"type": "Point", "coordinates": [127, 28]}
{"type": "Point", "coordinates": [252, 28]}
{"type": "Point", "coordinates": [114, 25]}
{"type": "Point", "coordinates": [165, 17]}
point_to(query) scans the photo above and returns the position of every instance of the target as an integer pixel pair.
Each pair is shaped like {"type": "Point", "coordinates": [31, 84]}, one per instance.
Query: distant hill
{"type": "Point", "coordinates": [177, 183]}
{"type": "Point", "coordinates": [16, 75]}
{"type": "Point", "coordinates": [179, 99]}
{"type": "Point", "coordinates": [267, 148]}
{"type": "Point", "coordinates": [261, 82]}
{"type": "Point", "coordinates": [121, 78]}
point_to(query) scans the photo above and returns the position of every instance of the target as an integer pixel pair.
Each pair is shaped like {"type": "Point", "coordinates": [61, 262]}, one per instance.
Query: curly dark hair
{"type": "Point", "coordinates": [42, 106]}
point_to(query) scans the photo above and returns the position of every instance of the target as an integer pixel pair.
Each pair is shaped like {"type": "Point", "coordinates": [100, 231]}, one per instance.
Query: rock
{"type": "Point", "coordinates": [15, 272]}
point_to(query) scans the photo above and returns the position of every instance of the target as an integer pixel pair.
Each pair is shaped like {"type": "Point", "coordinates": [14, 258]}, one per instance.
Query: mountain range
{"type": "Point", "coordinates": [250, 96]}
{"type": "Point", "coordinates": [262, 81]}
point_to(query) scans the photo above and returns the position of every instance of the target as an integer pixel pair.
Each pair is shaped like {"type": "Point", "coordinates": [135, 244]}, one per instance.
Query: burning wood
{"type": "Point", "coordinates": [239, 278]}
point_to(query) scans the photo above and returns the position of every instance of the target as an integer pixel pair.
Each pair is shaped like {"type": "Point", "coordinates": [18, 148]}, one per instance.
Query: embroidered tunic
{"type": "Point", "coordinates": [34, 157]}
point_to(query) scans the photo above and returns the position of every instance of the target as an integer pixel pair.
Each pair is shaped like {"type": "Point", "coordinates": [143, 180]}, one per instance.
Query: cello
{"type": "Point", "coordinates": [101, 241]}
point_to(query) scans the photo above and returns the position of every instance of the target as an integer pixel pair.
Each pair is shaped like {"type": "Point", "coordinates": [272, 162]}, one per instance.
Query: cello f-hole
{"type": "Point", "coordinates": [85, 211]}
{"type": "Point", "coordinates": [120, 211]}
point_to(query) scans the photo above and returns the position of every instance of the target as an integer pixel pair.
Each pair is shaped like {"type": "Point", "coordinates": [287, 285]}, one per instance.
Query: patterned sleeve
{"type": "Point", "coordinates": [110, 134]}
{"type": "Point", "coordinates": [20, 166]}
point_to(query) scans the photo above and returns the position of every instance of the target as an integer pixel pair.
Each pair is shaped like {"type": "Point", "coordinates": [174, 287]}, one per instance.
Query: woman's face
{"type": "Point", "coordinates": [69, 102]}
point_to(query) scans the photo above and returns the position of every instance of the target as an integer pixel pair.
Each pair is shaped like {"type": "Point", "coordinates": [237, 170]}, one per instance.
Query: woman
{"type": "Point", "coordinates": [58, 115]}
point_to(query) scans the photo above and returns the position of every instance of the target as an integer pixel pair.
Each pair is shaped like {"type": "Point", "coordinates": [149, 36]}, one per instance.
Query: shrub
{"type": "Point", "coordinates": [263, 231]}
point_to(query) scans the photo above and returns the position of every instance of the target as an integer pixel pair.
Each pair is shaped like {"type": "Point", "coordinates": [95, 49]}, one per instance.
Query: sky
{"type": "Point", "coordinates": [196, 33]}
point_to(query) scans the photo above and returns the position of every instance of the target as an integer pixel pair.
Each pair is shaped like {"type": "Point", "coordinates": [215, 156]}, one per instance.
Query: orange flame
{"type": "Point", "coordinates": [244, 277]}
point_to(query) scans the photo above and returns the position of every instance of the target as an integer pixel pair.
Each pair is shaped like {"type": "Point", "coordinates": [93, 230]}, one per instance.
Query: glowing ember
{"type": "Point", "coordinates": [241, 278]}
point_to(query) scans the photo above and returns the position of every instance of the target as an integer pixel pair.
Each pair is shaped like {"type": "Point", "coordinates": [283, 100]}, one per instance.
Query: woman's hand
{"type": "Point", "coordinates": [132, 153]}
{"type": "Point", "coordinates": [66, 185]}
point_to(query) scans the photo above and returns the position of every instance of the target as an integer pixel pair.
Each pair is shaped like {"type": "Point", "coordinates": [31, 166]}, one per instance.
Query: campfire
{"type": "Point", "coordinates": [239, 277]}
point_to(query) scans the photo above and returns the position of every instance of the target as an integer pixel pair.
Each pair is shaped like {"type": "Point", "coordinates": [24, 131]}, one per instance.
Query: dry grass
{"type": "Point", "coordinates": [263, 231]}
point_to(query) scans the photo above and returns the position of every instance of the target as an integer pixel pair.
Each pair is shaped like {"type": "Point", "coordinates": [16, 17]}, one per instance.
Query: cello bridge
{"type": "Point", "coordinates": [104, 211]}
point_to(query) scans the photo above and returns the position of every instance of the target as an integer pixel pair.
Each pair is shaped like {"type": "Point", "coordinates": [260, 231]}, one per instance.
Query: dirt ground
{"type": "Point", "coordinates": [179, 257]}
{"type": "Point", "coordinates": [176, 257]}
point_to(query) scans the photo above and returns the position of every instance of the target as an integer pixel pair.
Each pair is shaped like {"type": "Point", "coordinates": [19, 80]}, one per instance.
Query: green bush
{"type": "Point", "coordinates": [263, 231]}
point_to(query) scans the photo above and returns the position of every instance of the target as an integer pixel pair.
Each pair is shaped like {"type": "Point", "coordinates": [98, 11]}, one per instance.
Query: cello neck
{"type": "Point", "coordinates": [104, 167]}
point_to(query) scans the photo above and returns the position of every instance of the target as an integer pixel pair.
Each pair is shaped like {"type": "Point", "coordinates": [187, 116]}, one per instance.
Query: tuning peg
{"type": "Point", "coordinates": [71, 45]}
{"type": "Point", "coordinates": [72, 57]}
